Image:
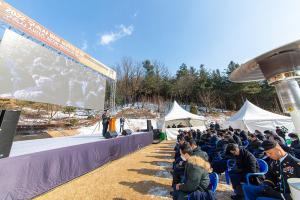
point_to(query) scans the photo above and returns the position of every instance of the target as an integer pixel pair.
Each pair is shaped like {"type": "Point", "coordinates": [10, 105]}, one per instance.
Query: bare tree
{"type": "Point", "coordinates": [52, 111]}
{"type": "Point", "coordinates": [125, 70]}
{"type": "Point", "coordinates": [208, 98]}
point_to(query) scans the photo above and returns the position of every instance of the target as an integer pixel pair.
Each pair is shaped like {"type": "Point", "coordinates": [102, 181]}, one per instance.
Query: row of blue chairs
{"type": "Point", "coordinates": [263, 169]}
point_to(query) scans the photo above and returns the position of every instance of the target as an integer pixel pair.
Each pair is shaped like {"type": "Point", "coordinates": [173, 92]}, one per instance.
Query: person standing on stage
{"type": "Point", "coordinates": [105, 122]}
{"type": "Point", "coordinates": [122, 122]}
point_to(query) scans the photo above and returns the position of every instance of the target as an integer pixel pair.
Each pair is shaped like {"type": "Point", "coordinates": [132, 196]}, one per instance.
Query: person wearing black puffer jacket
{"type": "Point", "coordinates": [245, 163]}
{"type": "Point", "coordinates": [254, 146]}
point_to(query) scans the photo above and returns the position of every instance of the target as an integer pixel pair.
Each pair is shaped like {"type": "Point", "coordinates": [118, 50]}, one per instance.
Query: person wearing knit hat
{"type": "Point", "coordinates": [281, 167]}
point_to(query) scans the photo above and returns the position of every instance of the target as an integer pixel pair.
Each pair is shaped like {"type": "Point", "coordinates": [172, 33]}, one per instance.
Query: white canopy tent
{"type": "Point", "coordinates": [178, 115]}
{"type": "Point", "coordinates": [251, 118]}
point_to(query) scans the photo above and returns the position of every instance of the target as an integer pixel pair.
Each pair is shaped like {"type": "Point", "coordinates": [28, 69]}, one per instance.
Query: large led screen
{"type": "Point", "coordinates": [30, 71]}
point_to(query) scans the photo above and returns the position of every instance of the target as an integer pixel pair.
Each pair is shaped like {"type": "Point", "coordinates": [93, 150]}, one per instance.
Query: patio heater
{"type": "Point", "coordinates": [281, 68]}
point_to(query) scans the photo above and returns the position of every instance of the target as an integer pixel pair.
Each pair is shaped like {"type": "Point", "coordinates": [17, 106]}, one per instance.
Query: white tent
{"type": "Point", "coordinates": [178, 115]}
{"type": "Point", "coordinates": [251, 118]}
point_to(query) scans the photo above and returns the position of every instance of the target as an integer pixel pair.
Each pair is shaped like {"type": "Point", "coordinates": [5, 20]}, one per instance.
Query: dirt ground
{"type": "Point", "coordinates": [141, 175]}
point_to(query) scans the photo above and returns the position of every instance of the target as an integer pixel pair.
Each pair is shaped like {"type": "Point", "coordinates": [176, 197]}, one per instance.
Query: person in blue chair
{"type": "Point", "coordinates": [219, 158]}
{"type": "Point", "coordinates": [196, 176]}
{"type": "Point", "coordinates": [254, 146]}
{"type": "Point", "coordinates": [237, 139]}
{"type": "Point", "coordinates": [179, 164]}
{"type": "Point", "coordinates": [245, 163]}
{"type": "Point", "coordinates": [295, 146]}
{"type": "Point", "coordinates": [281, 167]}
{"type": "Point", "coordinates": [197, 150]}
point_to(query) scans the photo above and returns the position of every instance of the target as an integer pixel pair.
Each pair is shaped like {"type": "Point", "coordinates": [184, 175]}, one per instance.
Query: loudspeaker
{"type": "Point", "coordinates": [126, 132]}
{"type": "Point", "coordinates": [108, 134]}
{"type": "Point", "coordinates": [149, 125]}
{"type": "Point", "coordinates": [156, 134]}
{"type": "Point", "coordinates": [8, 125]}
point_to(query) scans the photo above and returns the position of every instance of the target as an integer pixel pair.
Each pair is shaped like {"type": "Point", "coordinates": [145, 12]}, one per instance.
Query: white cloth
{"type": "Point", "coordinates": [173, 132]}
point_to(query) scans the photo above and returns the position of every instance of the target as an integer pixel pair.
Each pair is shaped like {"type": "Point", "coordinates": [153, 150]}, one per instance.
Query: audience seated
{"type": "Point", "coordinates": [270, 135]}
{"type": "Point", "coordinates": [196, 176]}
{"type": "Point", "coordinates": [259, 135]}
{"type": "Point", "coordinates": [196, 150]}
{"type": "Point", "coordinates": [254, 146]}
{"type": "Point", "coordinates": [243, 135]}
{"type": "Point", "coordinates": [237, 138]}
{"type": "Point", "coordinates": [245, 163]}
{"type": "Point", "coordinates": [295, 146]}
{"type": "Point", "coordinates": [180, 125]}
{"type": "Point", "coordinates": [212, 125]}
{"type": "Point", "coordinates": [198, 137]}
{"type": "Point", "coordinates": [281, 167]}
{"type": "Point", "coordinates": [217, 126]}
{"type": "Point", "coordinates": [280, 132]}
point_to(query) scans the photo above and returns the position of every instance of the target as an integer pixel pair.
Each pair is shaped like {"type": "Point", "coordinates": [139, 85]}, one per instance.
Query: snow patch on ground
{"type": "Point", "coordinates": [95, 129]}
{"type": "Point", "coordinates": [164, 164]}
{"type": "Point", "coordinates": [159, 192]}
{"type": "Point", "coordinates": [164, 174]}
{"type": "Point", "coordinates": [133, 124]}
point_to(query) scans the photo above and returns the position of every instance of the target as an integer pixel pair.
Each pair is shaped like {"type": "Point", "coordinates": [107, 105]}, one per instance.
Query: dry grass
{"type": "Point", "coordinates": [135, 176]}
{"type": "Point", "coordinates": [133, 113]}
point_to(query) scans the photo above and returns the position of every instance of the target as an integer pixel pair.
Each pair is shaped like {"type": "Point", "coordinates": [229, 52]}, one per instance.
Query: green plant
{"type": "Point", "coordinates": [194, 109]}
{"type": "Point", "coordinates": [91, 117]}
{"type": "Point", "coordinates": [74, 122]}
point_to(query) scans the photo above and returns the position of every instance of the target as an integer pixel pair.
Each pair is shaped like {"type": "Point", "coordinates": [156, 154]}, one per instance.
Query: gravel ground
{"type": "Point", "coordinates": [141, 175]}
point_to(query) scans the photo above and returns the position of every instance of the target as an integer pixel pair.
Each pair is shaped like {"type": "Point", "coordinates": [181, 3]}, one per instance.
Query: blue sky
{"type": "Point", "coordinates": [171, 31]}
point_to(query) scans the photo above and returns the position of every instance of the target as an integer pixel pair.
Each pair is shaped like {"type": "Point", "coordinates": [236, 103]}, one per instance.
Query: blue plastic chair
{"type": "Point", "coordinates": [214, 181]}
{"type": "Point", "coordinates": [245, 144]}
{"type": "Point", "coordinates": [263, 169]}
{"type": "Point", "coordinates": [230, 166]}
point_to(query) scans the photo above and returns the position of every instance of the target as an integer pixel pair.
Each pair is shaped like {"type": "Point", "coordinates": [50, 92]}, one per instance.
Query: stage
{"type": "Point", "coordinates": [36, 166]}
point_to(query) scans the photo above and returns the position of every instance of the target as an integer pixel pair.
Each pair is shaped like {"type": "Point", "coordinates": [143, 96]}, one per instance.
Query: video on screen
{"type": "Point", "coordinates": [30, 71]}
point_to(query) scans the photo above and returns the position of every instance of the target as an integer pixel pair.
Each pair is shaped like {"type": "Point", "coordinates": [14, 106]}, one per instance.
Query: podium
{"type": "Point", "coordinates": [111, 133]}
{"type": "Point", "coordinates": [112, 124]}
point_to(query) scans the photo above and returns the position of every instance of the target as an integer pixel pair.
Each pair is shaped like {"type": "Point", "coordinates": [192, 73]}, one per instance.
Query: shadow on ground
{"type": "Point", "coordinates": [165, 148]}
{"type": "Point", "coordinates": [149, 172]}
{"type": "Point", "coordinates": [161, 157]}
{"type": "Point", "coordinates": [161, 173]}
{"type": "Point", "coordinates": [144, 187]}
{"type": "Point", "coordinates": [164, 164]}
{"type": "Point", "coordinates": [164, 152]}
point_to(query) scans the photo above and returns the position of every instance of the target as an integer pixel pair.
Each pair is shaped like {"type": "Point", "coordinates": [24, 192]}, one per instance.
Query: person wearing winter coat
{"type": "Point", "coordinates": [245, 163]}
{"type": "Point", "coordinates": [196, 176]}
